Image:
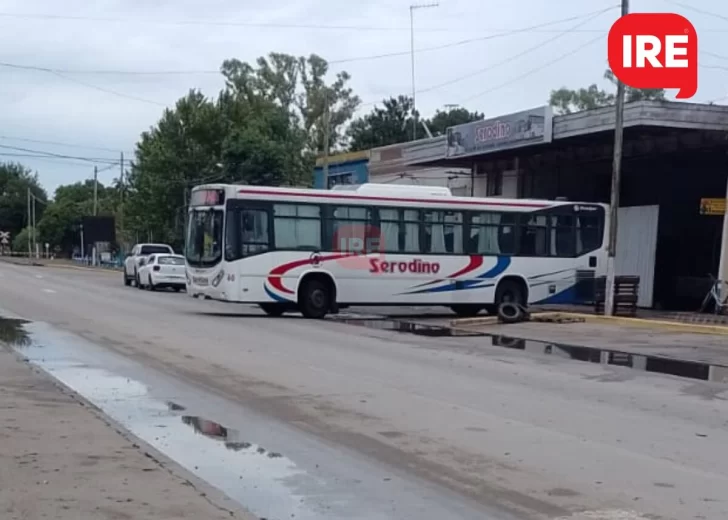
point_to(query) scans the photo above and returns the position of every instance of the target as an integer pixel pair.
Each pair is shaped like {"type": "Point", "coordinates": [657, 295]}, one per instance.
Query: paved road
{"type": "Point", "coordinates": [506, 431]}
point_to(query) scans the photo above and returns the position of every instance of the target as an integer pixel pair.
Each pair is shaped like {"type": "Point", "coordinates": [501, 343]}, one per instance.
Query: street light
{"type": "Point", "coordinates": [412, 49]}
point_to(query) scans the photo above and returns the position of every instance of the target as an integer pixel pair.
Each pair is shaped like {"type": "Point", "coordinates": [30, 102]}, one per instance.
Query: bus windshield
{"type": "Point", "coordinates": [203, 247]}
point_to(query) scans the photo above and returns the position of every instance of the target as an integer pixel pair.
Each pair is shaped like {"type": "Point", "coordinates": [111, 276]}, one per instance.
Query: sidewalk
{"type": "Point", "coordinates": [60, 459]}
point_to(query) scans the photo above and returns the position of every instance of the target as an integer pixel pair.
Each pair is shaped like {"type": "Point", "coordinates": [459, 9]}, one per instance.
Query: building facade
{"type": "Point", "coordinates": [345, 168]}
{"type": "Point", "coordinates": [675, 156]}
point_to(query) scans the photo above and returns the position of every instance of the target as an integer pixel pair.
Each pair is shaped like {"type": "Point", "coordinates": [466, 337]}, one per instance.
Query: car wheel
{"type": "Point", "coordinates": [139, 282]}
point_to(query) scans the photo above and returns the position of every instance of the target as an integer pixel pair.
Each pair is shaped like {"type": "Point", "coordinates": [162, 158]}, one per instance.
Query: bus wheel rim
{"type": "Point", "coordinates": [317, 298]}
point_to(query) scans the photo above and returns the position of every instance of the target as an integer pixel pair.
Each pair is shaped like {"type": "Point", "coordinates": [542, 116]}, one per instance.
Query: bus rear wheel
{"type": "Point", "coordinates": [465, 310]}
{"type": "Point", "coordinates": [510, 291]}
{"type": "Point", "coordinates": [314, 299]}
{"type": "Point", "coordinates": [273, 309]}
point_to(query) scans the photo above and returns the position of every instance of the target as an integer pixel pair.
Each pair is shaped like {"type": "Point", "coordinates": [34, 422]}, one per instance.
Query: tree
{"type": "Point", "coordinates": [20, 240]}
{"type": "Point", "coordinates": [15, 180]}
{"type": "Point", "coordinates": [384, 126]}
{"type": "Point", "coordinates": [71, 202]}
{"type": "Point", "coordinates": [444, 119]}
{"type": "Point", "coordinates": [239, 137]}
{"type": "Point", "coordinates": [392, 124]}
{"type": "Point", "coordinates": [566, 101]}
{"type": "Point", "coordinates": [298, 85]}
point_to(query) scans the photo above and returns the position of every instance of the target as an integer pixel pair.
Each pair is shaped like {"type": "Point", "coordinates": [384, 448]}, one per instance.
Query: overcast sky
{"type": "Point", "coordinates": [82, 109]}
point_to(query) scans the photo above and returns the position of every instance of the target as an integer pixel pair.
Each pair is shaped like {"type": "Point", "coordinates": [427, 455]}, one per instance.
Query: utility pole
{"type": "Point", "coordinates": [96, 190]}
{"type": "Point", "coordinates": [28, 228]}
{"type": "Point", "coordinates": [327, 129]}
{"type": "Point", "coordinates": [412, 52]}
{"type": "Point", "coordinates": [120, 239]}
{"type": "Point", "coordinates": [614, 202]}
{"type": "Point", "coordinates": [35, 240]}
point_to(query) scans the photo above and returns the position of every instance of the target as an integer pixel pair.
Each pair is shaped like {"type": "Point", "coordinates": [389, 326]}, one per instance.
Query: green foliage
{"type": "Point", "coordinates": [566, 101]}
{"type": "Point", "coordinates": [298, 85]}
{"type": "Point", "coordinates": [384, 126]}
{"type": "Point", "coordinates": [60, 221]}
{"type": "Point", "coordinates": [392, 124]}
{"type": "Point", "coordinates": [443, 119]}
{"type": "Point", "coordinates": [15, 180]}
{"type": "Point", "coordinates": [20, 240]}
{"type": "Point", "coordinates": [263, 129]}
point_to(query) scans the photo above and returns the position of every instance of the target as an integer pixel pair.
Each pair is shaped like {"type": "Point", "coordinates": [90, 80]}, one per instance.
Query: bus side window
{"type": "Point", "coordinates": [254, 231]}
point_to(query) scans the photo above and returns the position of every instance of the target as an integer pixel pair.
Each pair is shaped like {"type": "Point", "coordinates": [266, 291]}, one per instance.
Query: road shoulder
{"type": "Point", "coordinates": [61, 458]}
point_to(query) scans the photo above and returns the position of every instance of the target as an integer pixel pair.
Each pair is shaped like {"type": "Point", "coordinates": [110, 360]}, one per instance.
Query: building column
{"type": "Point", "coordinates": [723, 265]}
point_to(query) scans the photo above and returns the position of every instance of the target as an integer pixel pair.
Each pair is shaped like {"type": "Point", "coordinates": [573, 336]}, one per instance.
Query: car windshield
{"type": "Point", "coordinates": [151, 250]}
{"type": "Point", "coordinates": [203, 247]}
{"type": "Point", "coordinates": [171, 260]}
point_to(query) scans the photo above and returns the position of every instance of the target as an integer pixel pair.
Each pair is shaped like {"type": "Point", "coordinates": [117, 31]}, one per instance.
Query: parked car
{"type": "Point", "coordinates": [161, 271]}
{"type": "Point", "coordinates": [139, 251]}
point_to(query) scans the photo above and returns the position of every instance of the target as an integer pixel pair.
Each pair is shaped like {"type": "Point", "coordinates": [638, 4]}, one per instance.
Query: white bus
{"type": "Point", "coordinates": [316, 251]}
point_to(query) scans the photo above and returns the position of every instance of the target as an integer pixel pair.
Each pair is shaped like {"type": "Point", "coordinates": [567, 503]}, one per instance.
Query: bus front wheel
{"type": "Point", "coordinates": [315, 299]}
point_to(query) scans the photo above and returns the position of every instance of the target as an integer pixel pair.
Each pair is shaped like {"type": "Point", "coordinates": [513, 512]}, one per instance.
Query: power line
{"type": "Point", "coordinates": [518, 55]}
{"type": "Point", "coordinates": [714, 55]}
{"type": "Point", "coordinates": [43, 153]}
{"type": "Point", "coordinates": [589, 17]}
{"type": "Point", "coordinates": [44, 158]}
{"type": "Point", "coordinates": [372, 57]}
{"type": "Point", "coordinates": [534, 70]}
{"type": "Point", "coordinates": [219, 23]}
{"type": "Point", "coordinates": [61, 75]}
{"type": "Point", "coordinates": [470, 40]}
{"type": "Point", "coordinates": [59, 143]}
{"type": "Point", "coordinates": [698, 10]}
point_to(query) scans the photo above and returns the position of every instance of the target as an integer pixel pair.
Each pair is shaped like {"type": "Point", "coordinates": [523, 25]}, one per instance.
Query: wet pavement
{"type": "Point", "coordinates": [273, 471]}
{"type": "Point", "coordinates": [714, 372]}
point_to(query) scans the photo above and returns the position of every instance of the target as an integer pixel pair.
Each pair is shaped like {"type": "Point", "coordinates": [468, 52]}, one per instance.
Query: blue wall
{"type": "Point", "coordinates": [348, 172]}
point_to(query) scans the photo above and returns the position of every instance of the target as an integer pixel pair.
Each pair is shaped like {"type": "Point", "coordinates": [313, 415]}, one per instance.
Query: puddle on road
{"type": "Point", "coordinates": [644, 362]}
{"type": "Point", "coordinates": [306, 480]}
{"type": "Point", "coordinates": [420, 329]}
{"type": "Point", "coordinates": [13, 333]}
{"type": "Point", "coordinates": [265, 482]}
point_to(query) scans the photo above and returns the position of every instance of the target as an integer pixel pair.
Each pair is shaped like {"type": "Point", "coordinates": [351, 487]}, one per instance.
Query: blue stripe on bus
{"type": "Point", "coordinates": [478, 283]}
{"type": "Point", "coordinates": [275, 296]}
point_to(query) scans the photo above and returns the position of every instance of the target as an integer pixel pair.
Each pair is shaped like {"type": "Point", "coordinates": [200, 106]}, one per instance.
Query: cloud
{"type": "Point", "coordinates": [193, 35]}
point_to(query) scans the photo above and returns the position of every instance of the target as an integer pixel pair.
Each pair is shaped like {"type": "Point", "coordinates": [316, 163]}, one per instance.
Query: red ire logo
{"type": "Point", "coordinates": [359, 241]}
{"type": "Point", "coordinates": [655, 50]}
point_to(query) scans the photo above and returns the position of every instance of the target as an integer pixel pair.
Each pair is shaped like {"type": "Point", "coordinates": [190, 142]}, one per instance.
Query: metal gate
{"type": "Point", "coordinates": [636, 247]}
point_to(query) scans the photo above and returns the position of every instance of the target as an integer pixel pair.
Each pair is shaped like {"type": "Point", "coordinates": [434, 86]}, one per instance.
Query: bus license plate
{"type": "Point", "coordinates": [199, 280]}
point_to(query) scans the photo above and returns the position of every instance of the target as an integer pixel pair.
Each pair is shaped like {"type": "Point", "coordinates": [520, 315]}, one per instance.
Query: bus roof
{"type": "Point", "coordinates": [383, 194]}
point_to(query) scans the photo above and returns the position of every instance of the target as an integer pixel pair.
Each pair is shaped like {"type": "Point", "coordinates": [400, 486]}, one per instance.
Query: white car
{"type": "Point", "coordinates": [139, 251]}
{"type": "Point", "coordinates": [162, 271]}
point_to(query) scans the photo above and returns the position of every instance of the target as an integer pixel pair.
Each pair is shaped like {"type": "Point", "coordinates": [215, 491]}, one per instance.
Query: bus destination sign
{"type": "Point", "coordinates": [207, 198]}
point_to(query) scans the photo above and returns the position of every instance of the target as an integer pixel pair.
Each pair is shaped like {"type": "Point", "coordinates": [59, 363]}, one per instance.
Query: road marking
{"type": "Point", "coordinates": [39, 276]}
{"type": "Point", "coordinates": [51, 291]}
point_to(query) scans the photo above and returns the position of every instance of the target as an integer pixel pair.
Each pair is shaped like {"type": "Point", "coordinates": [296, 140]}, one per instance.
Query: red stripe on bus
{"type": "Point", "coordinates": [475, 262]}
{"type": "Point", "coordinates": [275, 276]}
{"type": "Point", "coordinates": [395, 199]}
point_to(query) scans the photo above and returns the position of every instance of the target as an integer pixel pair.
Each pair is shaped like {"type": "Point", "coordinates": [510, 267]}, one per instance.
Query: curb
{"type": "Point", "coordinates": [639, 322]}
